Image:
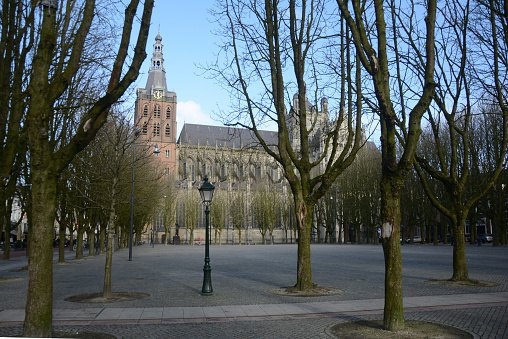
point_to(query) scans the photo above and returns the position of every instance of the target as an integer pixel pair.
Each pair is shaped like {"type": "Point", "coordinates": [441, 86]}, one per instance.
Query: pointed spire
{"type": "Point", "coordinates": [156, 82]}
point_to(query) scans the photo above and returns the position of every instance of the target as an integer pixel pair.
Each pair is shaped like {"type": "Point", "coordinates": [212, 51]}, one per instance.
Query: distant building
{"type": "Point", "coordinates": [232, 158]}
{"type": "Point", "coordinates": [155, 111]}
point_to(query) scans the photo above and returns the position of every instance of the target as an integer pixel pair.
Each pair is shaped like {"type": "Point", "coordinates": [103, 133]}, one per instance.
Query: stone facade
{"type": "Point", "coordinates": [230, 157]}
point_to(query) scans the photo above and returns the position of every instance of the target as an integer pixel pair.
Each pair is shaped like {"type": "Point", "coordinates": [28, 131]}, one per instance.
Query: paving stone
{"type": "Point", "coordinates": [243, 305]}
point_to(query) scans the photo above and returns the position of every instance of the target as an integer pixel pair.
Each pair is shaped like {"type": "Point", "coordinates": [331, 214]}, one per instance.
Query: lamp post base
{"type": "Point", "coordinates": [207, 281]}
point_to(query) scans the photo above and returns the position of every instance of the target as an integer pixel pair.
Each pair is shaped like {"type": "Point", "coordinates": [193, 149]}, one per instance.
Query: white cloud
{"type": "Point", "coordinates": [191, 113]}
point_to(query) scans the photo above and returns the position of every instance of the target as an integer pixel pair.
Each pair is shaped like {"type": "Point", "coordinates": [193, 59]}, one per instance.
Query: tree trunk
{"type": "Point", "coordinates": [102, 238]}
{"type": "Point", "coordinates": [79, 243]}
{"type": "Point", "coordinates": [117, 238]}
{"type": "Point", "coordinates": [390, 233]}
{"type": "Point", "coordinates": [71, 238]}
{"type": "Point", "coordinates": [61, 243]}
{"type": "Point", "coordinates": [91, 242]}
{"type": "Point", "coordinates": [460, 272]}
{"type": "Point", "coordinates": [304, 271]}
{"type": "Point", "coordinates": [39, 305]}
{"type": "Point", "coordinates": [7, 247]}
{"type": "Point", "coordinates": [109, 248]}
{"type": "Point", "coordinates": [7, 234]}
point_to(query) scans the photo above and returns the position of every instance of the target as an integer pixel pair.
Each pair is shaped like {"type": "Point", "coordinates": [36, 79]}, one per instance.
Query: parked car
{"type": "Point", "coordinates": [416, 239]}
{"type": "Point", "coordinates": [381, 240]}
{"type": "Point", "coordinates": [485, 237]}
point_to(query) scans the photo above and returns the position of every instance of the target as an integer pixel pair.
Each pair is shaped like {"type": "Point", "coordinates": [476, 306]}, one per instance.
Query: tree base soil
{"type": "Point", "coordinates": [317, 291]}
{"type": "Point", "coordinates": [413, 329]}
{"type": "Point", "coordinates": [467, 283]}
{"type": "Point", "coordinates": [82, 335]}
{"type": "Point", "coordinates": [98, 297]}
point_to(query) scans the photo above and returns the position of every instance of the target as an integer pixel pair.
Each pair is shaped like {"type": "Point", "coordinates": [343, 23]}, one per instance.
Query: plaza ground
{"type": "Point", "coordinates": [244, 278]}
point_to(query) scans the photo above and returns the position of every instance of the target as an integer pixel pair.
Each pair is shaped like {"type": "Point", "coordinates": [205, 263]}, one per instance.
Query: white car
{"type": "Point", "coordinates": [416, 239]}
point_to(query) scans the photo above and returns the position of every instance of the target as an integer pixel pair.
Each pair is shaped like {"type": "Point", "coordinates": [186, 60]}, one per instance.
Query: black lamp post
{"type": "Point", "coordinates": [155, 151]}
{"type": "Point", "coordinates": [206, 191]}
{"type": "Point", "coordinates": [97, 243]}
{"type": "Point", "coordinates": [153, 228]}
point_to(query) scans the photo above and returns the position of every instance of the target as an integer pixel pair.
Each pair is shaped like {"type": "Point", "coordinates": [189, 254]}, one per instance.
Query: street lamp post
{"type": "Point", "coordinates": [206, 191]}
{"type": "Point", "coordinates": [340, 216]}
{"type": "Point", "coordinates": [155, 151]}
{"type": "Point", "coordinates": [153, 228]}
{"type": "Point", "coordinates": [97, 243]}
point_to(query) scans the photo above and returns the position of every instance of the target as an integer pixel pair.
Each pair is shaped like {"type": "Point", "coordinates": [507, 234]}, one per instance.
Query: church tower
{"type": "Point", "coordinates": [155, 111]}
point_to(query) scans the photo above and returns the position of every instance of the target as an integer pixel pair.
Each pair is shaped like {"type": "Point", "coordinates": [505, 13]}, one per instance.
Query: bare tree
{"type": "Point", "coordinates": [237, 211]}
{"type": "Point", "coordinates": [260, 211]}
{"type": "Point", "coordinates": [271, 49]}
{"type": "Point", "coordinates": [16, 39]}
{"type": "Point", "coordinates": [192, 210]}
{"type": "Point", "coordinates": [218, 213]}
{"type": "Point", "coordinates": [379, 53]}
{"type": "Point", "coordinates": [61, 54]}
{"type": "Point", "coordinates": [170, 203]}
{"type": "Point", "coordinates": [454, 104]}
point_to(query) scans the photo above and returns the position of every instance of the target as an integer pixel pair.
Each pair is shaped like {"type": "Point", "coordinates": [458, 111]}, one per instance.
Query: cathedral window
{"type": "Point", "coordinates": [145, 111]}
{"type": "Point", "coordinates": [168, 131]}
{"type": "Point", "coordinates": [157, 111]}
{"type": "Point", "coordinates": [275, 174]}
{"type": "Point", "coordinates": [145, 127]}
{"type": "Point", "coordinates": [168, 113]}
{"type": "Point", "coordinates": [156, 129]}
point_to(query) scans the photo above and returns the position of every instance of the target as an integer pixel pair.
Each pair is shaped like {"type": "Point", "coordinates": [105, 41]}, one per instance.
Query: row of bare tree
{"type": "Point", "coordinates": [64, 64]}
{"type": "Point", "coordinates": [413, 65]}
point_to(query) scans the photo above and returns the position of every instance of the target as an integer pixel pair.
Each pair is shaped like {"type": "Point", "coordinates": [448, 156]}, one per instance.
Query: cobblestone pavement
{"type": "Point", "coordinates": [245, 275]}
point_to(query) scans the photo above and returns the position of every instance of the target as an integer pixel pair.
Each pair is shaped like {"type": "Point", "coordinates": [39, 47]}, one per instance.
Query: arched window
{"type": "Point", "coordinates": [168, 113]}
{"type": "Point", "coordinates": [168, 131]}
{"type": "Point", "coordinates": [145, 127]}
{"type": "Point", "coordinates": [145, 111]}
{"type": "Point", "coordinates": [156, 129]}
{"type": "Point", "coordinates": [157, 111]}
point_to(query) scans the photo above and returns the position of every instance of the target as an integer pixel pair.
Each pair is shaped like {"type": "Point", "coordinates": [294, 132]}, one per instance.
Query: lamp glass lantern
{"type": "Point", "coordinates": [206, 191]}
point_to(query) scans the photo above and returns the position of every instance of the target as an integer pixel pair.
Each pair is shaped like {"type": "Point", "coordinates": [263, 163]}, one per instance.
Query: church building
{"type": "Point", "coordinates": [155, 111]}
{"type": "Point", "coordinates": [230, 157]}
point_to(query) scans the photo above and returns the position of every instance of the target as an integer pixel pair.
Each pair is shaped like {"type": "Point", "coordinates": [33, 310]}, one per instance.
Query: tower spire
{"type": "Point", "coordinates": [156, 82]}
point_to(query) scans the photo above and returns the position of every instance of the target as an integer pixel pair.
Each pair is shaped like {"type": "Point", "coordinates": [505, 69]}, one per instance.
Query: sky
{"type": "Point", "coordinates": [188, 41]}
{"type": "Point", "coordinates": [186, 29]}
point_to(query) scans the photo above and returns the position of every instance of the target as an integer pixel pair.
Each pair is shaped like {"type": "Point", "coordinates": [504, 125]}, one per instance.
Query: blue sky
{"type": "Point", "coordinates": [186, 30]}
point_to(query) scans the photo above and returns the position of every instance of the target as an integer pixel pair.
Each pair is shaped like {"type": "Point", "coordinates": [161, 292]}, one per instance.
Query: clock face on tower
{"type": "Point", "coordinates": [157, 94]}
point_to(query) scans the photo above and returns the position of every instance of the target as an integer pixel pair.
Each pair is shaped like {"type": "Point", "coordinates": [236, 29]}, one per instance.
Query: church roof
{"type": "Point", "coordinates": [157, 74]}
{"type": "Point", "coordinates": [193, 134]}
{"type": "Point", "coordinates": [157, 80]}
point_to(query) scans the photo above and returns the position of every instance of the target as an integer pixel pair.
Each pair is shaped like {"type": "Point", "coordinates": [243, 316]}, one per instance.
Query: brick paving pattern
{"type": "Point", "coordinates": [243, 277]}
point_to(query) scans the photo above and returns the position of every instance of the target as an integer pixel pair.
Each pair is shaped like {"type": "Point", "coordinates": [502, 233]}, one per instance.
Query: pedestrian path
{"type": "Point", "coordinates": [173, 315]}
